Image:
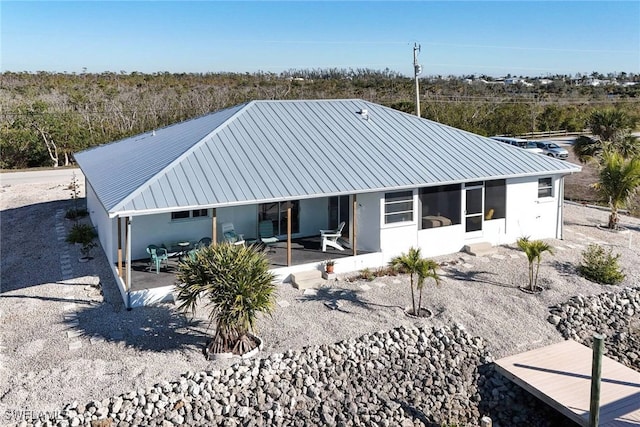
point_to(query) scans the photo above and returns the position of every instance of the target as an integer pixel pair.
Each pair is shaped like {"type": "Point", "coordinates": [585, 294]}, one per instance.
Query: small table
{"type": "Point", "coordinates": [184, 248]}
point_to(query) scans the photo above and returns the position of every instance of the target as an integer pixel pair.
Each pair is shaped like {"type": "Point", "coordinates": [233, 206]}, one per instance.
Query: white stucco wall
{"type": "Point", "coordinates": [157, 229]}
{"type": "Point", "coordinates": [102, 223]}
{"type": "Point", "coordinates": [243, 219]}
{"type": "Point", "coordinates": [368, 221]}
{"type": "Point", "coordinates": [397, 237]}
{"type": "Point", "coordinates": [528, 215]}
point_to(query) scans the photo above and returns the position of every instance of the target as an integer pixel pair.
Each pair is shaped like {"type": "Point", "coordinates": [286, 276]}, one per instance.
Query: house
{"type": "Point", "coordinates": [395, 179]}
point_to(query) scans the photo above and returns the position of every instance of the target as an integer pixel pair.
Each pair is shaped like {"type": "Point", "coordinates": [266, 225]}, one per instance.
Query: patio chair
{"type": "Point", "coordinates": [203, 243]}
{"type": "Point", "coordinates": [156, 256]}
{"type": "Point", "coordinates": [230, 235]}
{"type": "Point", "coordinates": [330, 238]}
{"type": "Point", "coordinates": [266, 234]}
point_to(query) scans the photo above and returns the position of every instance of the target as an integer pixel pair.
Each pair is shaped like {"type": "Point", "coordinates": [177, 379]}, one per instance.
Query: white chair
{"type": "Point", "coordinates": [330, 238]}
{"type": "Point", "coordinates": [230, 235]}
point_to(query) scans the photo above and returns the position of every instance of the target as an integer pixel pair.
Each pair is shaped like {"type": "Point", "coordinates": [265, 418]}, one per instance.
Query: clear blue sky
{"type": "Point", "coordinates": [485, 37]}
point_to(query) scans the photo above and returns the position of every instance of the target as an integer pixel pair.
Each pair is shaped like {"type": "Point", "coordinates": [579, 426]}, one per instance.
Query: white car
{"type": "Point", "coordinates": [518, 142]}
{"type": "Point", "coordinates": [552, 149]}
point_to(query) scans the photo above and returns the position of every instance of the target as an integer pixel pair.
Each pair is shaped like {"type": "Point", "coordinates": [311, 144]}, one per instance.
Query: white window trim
{"type": "Point", "coordinates": [383, 214]}
{"type": "Point", "coordinates": [550, 187]}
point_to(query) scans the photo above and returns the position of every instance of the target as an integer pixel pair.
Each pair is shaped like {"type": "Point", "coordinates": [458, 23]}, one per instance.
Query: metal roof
{"type": "Point", "coordinates": [283, 150]}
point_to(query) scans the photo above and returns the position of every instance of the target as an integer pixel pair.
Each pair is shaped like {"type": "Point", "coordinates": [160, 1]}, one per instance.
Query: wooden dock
{"type": "Point", "coordinates": [560, 376]}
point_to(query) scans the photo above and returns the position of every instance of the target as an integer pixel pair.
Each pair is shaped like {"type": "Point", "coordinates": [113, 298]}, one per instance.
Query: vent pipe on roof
{"type": "Point", "coordinates": [153, 133]}
{"type": "Point", "coordinates": [364, 113]}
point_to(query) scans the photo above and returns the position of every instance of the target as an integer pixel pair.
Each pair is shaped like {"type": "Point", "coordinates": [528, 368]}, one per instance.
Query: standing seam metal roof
{"type": "Point", "coordinates": [278, 150]}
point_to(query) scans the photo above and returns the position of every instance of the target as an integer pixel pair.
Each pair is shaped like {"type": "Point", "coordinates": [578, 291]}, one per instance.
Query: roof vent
{"type": "Point", "coordinates": [364, 113]}
{"type": "Point", "coordinates": [153, 133]}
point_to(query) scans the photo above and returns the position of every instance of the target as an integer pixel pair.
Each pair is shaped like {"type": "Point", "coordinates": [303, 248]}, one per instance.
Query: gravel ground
{"type": "Point", "coordinates": [64, 340]}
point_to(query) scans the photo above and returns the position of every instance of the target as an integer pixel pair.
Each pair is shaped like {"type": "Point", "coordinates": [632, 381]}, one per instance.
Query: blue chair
{"type": "Point", "coordinates": [156, 256]}
{"type": "Point", "coordinates": [266, 234]}
{"type": "Point", "coordinates": [230, 235]}
{"type": "Point", "coordinates": [203, 243]}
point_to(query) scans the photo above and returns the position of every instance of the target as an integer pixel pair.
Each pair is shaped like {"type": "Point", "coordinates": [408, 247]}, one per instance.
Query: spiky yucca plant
{"type": "Point", "coordinates": [236, 285]}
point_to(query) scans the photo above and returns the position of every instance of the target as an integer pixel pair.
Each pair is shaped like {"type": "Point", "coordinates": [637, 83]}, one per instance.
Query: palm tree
{"type": "Point", "coordinates": [611, 129]}
{"type": "Point", "coordinates": [610, 123]}
{"type": "Point", "coordinates": [419, 270]}
{"type": "Point", "coordinates": [427, 268]}
{"type": "Point", "coordinates": [238, 285]}
{"type": "Point", "coordinates": [619, 179]}
{"type": "Point", "coordinates": [534, 250]}
{"type": "Point", "coordinates": [628, 146]}
{"type": "Point", "coordinates": [587, 149]}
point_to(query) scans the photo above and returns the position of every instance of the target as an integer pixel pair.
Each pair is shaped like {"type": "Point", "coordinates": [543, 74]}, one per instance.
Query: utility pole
{"type": "Point", "coordinates": [417, 69]}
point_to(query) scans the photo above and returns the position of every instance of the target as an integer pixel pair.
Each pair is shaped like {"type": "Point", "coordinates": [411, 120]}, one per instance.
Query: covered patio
{"type": "Point", "coordinates": [303, 251]}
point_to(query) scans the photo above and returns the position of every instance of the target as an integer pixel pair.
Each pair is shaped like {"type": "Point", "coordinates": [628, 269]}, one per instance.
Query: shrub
{"type": "Point", "coordinates": [83, 234]}
{"type": "Point", "coordinates": [367, 274]}
{"type": "Point", "coordinates": [600, 266]}
{"type": "Point", "coordinates": [74, 213]}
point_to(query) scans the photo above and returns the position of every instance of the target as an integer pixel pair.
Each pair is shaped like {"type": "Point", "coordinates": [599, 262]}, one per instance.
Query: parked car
{"type": "Point", "coordinates": [552, 149]}
{"type": "Point", "coordinates": [518, 142]}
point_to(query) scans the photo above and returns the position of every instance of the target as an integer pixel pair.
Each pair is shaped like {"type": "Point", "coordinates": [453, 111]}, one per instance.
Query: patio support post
{"type": "Point", "coordinates": [289, 234]}
{"type": "Point", "coordinates": [354, 243]}
{"type": "Point", "coordinates": [120, 247]}
{"type": "Point", "coordinates": [128, 261]}
{"type": "Point", "coordinates": [214, 226]}
{"type": "Point", "coordinates": [596, 379]}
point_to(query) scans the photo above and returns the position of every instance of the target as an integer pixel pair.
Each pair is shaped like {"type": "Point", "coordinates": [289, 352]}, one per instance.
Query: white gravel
{"type": "Point", "coordinates": [49, 305]}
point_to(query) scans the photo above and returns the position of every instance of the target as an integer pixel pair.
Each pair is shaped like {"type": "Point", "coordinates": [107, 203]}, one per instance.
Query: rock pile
{"type": "Point", "coordinates": [403, 377]}
{"type": "Point", "coordinates": [616, 315]}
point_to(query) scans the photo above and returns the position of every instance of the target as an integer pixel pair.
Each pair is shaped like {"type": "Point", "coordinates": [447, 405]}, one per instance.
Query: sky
{"type": "Point", "coordinates": [456, 38]}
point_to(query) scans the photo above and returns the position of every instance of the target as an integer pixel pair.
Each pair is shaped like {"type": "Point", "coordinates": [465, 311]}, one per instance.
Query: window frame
{"type": "Point", "coordinates": [544, 188]}
{"type": "Point", "coordinates": [194, 214]}
{"type": "Point", "coordinates": [388, 214]}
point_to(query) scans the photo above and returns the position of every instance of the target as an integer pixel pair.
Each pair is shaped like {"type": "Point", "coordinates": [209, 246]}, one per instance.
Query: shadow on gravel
{"type": "Point", "coordinates": [475, 276]}
{"type": "Point", "coordinates": [564, 268]}
{"type": "Point", "coordinates": [29, 242]}
{"type": "Point", "coordinates": [153, 328]}
{"type": "Point", "coordinates": [332, 298]}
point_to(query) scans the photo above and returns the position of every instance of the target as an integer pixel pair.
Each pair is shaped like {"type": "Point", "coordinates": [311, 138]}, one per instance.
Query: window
{"type": "Point", "coordinates": [495, 195]}
{"type": "Point", "coordinates": [398, 207]}
{"type": "Point", "coordinates": [545, 187]}
{"type": "Point", "coordinates": [198, 213]}
{"type": "Point", "coordinates": [441, 205]}
{"type": "Point", "coordinates": [277, 213]}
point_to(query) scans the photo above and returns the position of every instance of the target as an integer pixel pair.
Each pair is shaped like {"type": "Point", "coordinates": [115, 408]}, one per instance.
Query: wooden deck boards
{"type": "Point", "coordinates": [560, 376]}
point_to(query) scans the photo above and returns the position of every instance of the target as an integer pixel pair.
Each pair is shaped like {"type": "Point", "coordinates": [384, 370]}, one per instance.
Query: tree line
{"type": "Point", "coordinates": [46, 117]}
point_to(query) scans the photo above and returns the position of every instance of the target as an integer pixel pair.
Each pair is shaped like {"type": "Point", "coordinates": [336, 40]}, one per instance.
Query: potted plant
{"type": "Point", "coordinates": [83, 234]}
{"type": "Point", "coordinates": [328, 265]}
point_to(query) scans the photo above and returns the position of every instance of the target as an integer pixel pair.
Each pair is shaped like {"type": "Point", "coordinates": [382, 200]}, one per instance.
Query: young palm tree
{"type": "Point", "coordinates": [534, 250]}
{"type": "Point", "coordinates": [427, 269]}
{"type": "Point", "coordinates": [237, 284]}
{"type": "Point", "coordinates": [419, 270]}
{"type": "Point", "coordinates": [619, 180]}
